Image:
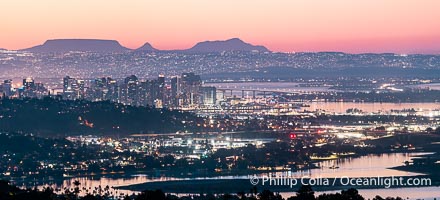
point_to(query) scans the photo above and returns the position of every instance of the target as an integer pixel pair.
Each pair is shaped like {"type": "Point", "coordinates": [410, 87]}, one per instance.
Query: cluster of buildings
{"type": "Point", "coordinates": [181, 91]}
{"type": "Point", "coordinates": [184, 92]}
{"type": "Point", "coordinates": [146, 64]}
{"type": "Point", "coordinates": [29, 88]}
{"type": "Point", "coordinates": [197, 145]}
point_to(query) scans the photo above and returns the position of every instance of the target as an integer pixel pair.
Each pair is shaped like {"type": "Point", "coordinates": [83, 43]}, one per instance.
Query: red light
{"type": "Point", "coordinates": [292, 136]}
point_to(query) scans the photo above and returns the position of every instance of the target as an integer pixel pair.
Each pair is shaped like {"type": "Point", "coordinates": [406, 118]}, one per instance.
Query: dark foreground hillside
{"type": "Point", "coordinates": [57, 117]}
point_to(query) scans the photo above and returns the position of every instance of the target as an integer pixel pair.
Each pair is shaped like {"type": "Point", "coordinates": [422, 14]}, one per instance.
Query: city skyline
{"type": "Point", "coordinates": [353, 27]}
{"type": "Point", "coordinates": [216, 100]}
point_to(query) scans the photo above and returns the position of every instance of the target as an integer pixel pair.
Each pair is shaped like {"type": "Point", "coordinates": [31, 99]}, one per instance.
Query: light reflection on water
{"type": "Point", "coordinates": [341, 107]}
{"type": "Point", "coordinates": [364, 166]}
{"type": "Point", "coordinates": [338, 107]}
{"type": "Point", "coordinates": [265, 86]}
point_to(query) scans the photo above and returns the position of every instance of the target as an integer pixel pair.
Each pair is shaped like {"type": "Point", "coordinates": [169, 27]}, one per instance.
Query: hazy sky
{"type": "Point", "coordinates": [403, 26]}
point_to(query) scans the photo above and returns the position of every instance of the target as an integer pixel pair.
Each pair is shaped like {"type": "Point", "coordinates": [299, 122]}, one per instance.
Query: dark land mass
{"type": "Point", "coordinates": [287, 73]}
{"type": "Point", "coordinates": [427, 141]}
{"type": "Point", "coordinates": [233, 44]}
{"type": "Point", "coordinates": [433, 170]}
{"type": "Point", "coordinates": [426, 164]}
{"type": "Point", "coordinates": [66, 45]}
{"type": "Point", "coordinates": [219, 186]}
{"type": "Point", "coordinates": [57, 117]}
{"type": "Point", "coordinates": [113, 46]}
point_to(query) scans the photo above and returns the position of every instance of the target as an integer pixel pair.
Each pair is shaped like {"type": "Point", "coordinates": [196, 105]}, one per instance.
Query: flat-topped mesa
{"type": "Point", "coordinates": [85, 45]}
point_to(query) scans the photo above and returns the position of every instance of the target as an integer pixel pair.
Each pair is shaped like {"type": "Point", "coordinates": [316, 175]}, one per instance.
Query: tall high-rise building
{"type": "Point", "coordinates": [73, 88]}
{"type": "Point", "coordinates": [29, 88]}
{"type": "Point", "coordinates": [183, 91]}
{"type": "Point", "coordinates": [191, 84]}
{"type": "Point", "coordinates": [80, 90]}
{"type": "Point", "coordinates": [161, 80]}
{"type": "Point", "coordinates": [175, 91]}
{"type": "Point", "coordinates": [154, 93]}
{"type": "Point", "coordinates": [67, 83]}
{"type": "Point", "coordinates": [161, 89]}
{"type": "Point", "coordinates": [208, 95]}
{"type": "Point", "coordinates": [104, 88]}
{"type": "Point", "coordinates": [131, 90]}
{"type": "Point", "coordinates": [113, 93]}
{"type": "Point", "coordinates": [28, 83]}
{"type": "Point", "coordinates": [7, 87]}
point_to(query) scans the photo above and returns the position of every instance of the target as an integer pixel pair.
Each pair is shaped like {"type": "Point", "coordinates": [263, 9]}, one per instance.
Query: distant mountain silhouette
{"type": "Point", "coordinates": [66, 45]}
{"type": "Point", "coordinates": [97, 45]}
{"type": "Point", "coordinates": [234, 44]}
{"type": "Point", "coordinates": [2, 49]}
{"type": "Point", "coordinates": [146, 47]}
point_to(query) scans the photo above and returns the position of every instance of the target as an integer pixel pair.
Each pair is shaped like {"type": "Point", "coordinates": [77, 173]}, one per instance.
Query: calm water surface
{"type": "Point", "coordinates": [341, 107]}
{"type": "Point", "coordinates": [267, 86]}
{"type": "Point", "coordinates": [364, 166]}
{"type": "Point", "coordinates": [337, 107]}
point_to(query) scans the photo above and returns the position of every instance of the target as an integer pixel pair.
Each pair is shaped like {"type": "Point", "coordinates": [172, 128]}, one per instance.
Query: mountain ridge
{"type": "Point", "coordinates": [100, 45]}
{"type": "Point", "coordinates": [233, 44]}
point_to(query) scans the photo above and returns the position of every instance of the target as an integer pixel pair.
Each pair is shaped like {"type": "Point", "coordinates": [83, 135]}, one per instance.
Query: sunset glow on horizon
{"type": "Point", "coordinates": [401, 26]}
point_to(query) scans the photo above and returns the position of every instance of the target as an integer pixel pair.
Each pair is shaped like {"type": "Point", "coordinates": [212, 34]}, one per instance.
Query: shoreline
{"type": "Point", "coordinates": [221, 186]}
{"type": "Point", "coordinates": [201, 174]}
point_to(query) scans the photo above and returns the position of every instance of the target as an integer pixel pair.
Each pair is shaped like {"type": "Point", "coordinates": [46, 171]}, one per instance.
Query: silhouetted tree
{"type": "Point", "coordinates": [437, 130]}
{"type": "Point", "coordinates": [268, 195]}
{"type": "Point", "coordinates": [351, 194]}
{"type": "Point", "coordinates": [151, 195]}
{"type": "Point", "coordinates": [305, 192]}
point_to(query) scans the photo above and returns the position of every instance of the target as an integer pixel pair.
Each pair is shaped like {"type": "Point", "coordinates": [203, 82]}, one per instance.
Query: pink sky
{"type": "Point", "coordinates": [402, 26]}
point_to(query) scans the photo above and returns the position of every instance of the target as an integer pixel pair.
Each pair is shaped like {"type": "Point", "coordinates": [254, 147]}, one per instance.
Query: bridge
{"type": "Point", "coordinates": [254, 92]}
